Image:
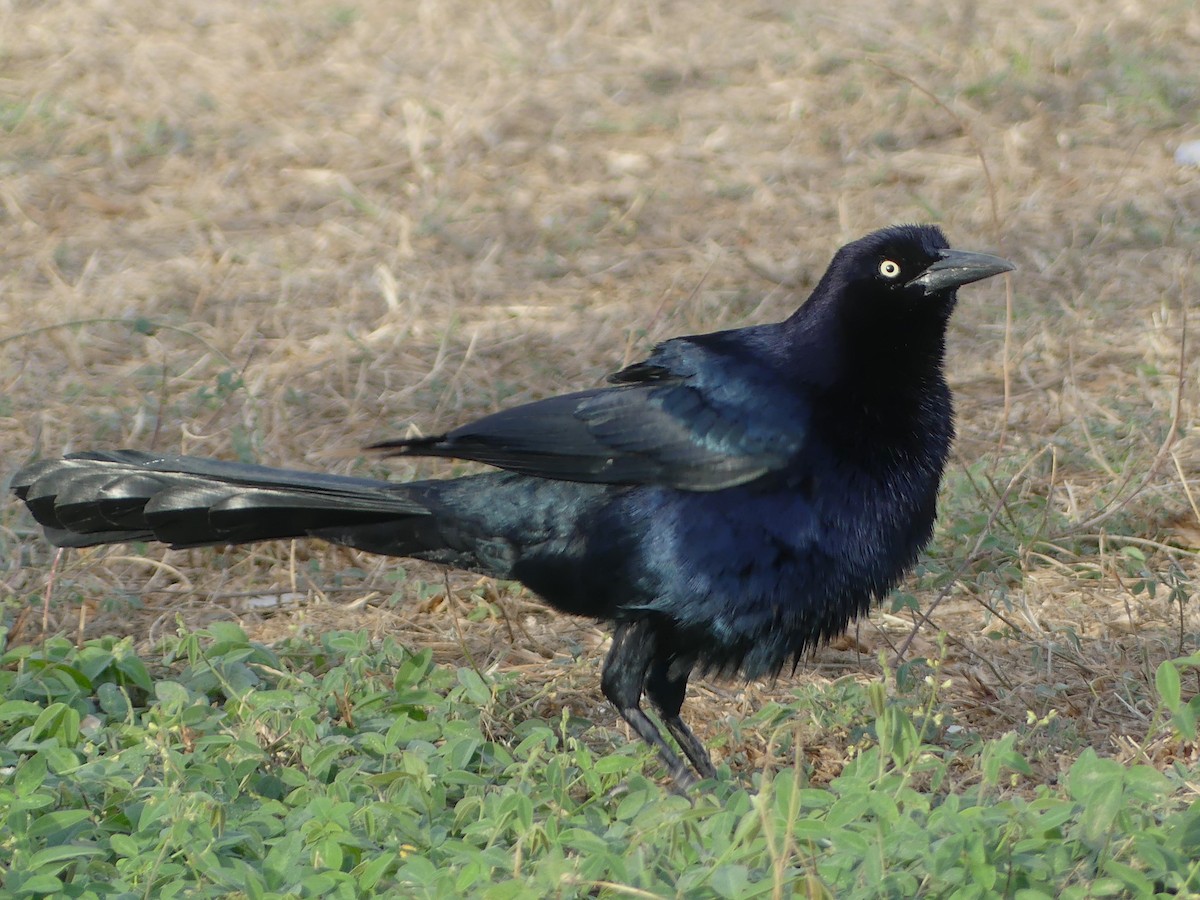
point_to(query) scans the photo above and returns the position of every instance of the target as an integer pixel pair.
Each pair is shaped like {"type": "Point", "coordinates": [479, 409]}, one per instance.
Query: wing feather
{"type": "Point", "coordinates": [687, 418]}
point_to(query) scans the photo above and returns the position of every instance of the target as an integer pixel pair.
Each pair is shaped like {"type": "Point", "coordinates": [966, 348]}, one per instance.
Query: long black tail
{"type": "Point", "coordinates": [185, 501]}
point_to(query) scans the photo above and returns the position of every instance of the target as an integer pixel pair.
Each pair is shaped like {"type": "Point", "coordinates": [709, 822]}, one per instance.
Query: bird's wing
{"type": "Point", "coordinates": [687, 417]}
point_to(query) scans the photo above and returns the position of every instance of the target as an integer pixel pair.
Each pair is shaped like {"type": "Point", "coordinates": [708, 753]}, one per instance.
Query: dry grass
{"type": "Point", "coordinates": [285, 231]}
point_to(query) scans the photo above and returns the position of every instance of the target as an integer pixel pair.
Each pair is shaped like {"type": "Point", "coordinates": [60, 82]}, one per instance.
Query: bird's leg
{"type": "Point", "coordinates": [624, 675]}
{"type": "Point", "coordinates": [666, 685]}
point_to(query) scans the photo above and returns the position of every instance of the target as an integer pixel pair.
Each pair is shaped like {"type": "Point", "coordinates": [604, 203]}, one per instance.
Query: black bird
{"type": "Point", "coordinates": [727, 503]}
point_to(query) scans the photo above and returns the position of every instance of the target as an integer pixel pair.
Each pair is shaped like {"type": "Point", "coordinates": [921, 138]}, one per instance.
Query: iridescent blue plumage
{"type": "Point", "coordinates": [726, 503]}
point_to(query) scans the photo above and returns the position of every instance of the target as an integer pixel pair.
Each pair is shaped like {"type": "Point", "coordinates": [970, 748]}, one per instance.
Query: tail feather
{"type": "Point", "coordinates": [101, 498]}
{"type": "Point", "coordinates": [92, 502]}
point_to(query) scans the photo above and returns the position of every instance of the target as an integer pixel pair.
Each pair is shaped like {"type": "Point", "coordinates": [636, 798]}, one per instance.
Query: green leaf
{"type": "Point", "coordinates": [516, 806]}
{"type": "Point", "coordinates": [1107, 887]}
{"type": "Point", "coordinates": [1101, 812]}
{"type": "Point", "coordinates": [1133, 880]}
{"type": "Point", "coordinates": [40, 800]}
{"type": "Point", "coordinates": [1186, 717]}
{"type": "Point", "coordinates": [68, 674]}
{"type": "Point", "coordinates": [327, 854]}
{"type": "Point", "coordinates": [370, 872]}
{"type": "Point", "coordinates": [58, 721]}
{"type": "Point", "coordinates": [15, 710]}
{"type": "Point", "coordinates": [229, 634]}
{"type": "Point", "coordinates": [417, 870]}
{"type": "Point", "coordinates": [172, 695]}
{"type": "Point", "coordinates": [113, 700]}
{"type": "Point", "coordinates": [61, 760]}
{"type": "Point", "coordinates": [1090, 773]}
{"type": "Point", "coordinates": [477, 689]}
{"type": "Point", "coordinates": [1146, 784]}
{"type": "Point", "coordinates": [1167, 683]}
{"type": "Point", "coordinates": [730, 881]}
{"type": "Point", "coordinates": [38, 884]}
{"type": "Point", "coordinates": [615, 764]}
{"type": "Point", "coordinates": [30, 775]}
{"type": "Point", "coordinates": [60, 820]}
{"type": "Point", "coordinates": [93, 661]}
{"type": "Point", "coordinates": [283, 858]}
{"type": "Point", "coordinates": [135, 670]}
{"type": "Point", "coordinates": [60, 856]}
{"type": "Point", "coordinates": [123, 845]}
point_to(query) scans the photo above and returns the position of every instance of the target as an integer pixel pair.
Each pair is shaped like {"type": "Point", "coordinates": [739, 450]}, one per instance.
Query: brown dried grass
{"type": "Point", "coordinates": [337, 223]}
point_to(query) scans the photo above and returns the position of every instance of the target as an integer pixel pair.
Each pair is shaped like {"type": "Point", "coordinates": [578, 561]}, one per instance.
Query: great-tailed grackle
{"type": "Point", "coordinates": [726, 503]}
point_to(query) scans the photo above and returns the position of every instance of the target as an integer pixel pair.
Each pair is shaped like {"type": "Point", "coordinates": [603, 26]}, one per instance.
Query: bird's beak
{"type": "Point", "coordinates": [959, 267]}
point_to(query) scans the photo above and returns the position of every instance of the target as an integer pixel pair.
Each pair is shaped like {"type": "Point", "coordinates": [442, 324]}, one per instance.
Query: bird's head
{"type": "Point", "coordinates": [906, 270]}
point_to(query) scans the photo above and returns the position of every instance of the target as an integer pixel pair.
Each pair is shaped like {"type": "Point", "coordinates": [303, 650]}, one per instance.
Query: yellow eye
{"type": "Point", "coordinates": [889, 269]}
